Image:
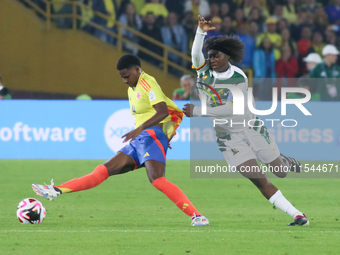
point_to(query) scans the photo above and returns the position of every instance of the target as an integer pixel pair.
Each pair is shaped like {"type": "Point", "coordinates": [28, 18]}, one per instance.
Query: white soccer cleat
{"type": "Point", "coordinates": [46, 191]}
{"type": "Point", "coordinates": [199, 221]}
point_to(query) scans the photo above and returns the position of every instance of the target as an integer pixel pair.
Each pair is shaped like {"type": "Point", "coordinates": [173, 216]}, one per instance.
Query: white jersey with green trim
{"type": "Point", "coordinates": [219, 100]}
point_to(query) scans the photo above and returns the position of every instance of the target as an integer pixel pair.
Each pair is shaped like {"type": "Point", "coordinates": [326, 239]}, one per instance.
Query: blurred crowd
{"type": "Point", "coordinates": [279, 35]}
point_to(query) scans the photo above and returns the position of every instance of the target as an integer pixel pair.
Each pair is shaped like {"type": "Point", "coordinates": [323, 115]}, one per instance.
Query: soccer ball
{"type": "Point", "coordinates": [31, 211]}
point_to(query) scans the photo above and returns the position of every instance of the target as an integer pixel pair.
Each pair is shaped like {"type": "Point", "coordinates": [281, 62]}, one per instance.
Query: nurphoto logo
{"type": "Point", "coordinates": [239, 103]}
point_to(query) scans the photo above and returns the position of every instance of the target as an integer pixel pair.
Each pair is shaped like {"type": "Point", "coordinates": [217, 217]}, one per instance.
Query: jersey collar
{"type": "Point", "coordinates": [224, 75]}
{"type": "Point", "coordinates": [140, 78]}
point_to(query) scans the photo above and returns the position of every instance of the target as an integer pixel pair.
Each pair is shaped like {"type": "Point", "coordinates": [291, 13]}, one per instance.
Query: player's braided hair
{"type": "Point", "coordinates": [229, 45]}
{"type": "Point", "coordinates": [128, 61]}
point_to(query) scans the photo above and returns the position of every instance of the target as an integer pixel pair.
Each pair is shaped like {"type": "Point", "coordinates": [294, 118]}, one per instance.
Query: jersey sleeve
{"type": "Point", "coordinates": [153, 90]}
{"type": "Point", "coordinates": [201, 69]}
{"type": "Point", "coordinates": [198, 62]}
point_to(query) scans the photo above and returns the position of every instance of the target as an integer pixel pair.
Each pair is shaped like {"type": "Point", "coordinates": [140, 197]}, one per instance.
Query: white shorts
{"type": "Point", "coordinates": [242, 146]}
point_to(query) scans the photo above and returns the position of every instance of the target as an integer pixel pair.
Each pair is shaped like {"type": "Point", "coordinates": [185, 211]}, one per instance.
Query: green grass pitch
{"type": "Point", "coordinates": [127, 215]}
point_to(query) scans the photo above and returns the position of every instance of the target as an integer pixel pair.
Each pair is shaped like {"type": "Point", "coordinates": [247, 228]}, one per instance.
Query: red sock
{"type": "Point", "coordinates": [89, 181]}
{"type": "Point", "coordinates": [176, 195]}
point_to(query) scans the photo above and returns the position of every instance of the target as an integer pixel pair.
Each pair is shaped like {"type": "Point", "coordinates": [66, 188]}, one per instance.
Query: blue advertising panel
{"type": "Point", "coordinates": [39, 129]}
{"type": "Point", "coordinates": [67, 129]}
{"type": "Point", "coordinates": [305, 137]}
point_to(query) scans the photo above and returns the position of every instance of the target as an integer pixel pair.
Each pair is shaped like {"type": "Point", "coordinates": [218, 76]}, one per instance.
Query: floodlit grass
{"type": "Point", "coordinates": [127, 215]}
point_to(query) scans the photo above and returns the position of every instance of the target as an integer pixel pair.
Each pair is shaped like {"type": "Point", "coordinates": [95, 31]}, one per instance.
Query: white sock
{"type": "Point", "coordinates": [282, 203]}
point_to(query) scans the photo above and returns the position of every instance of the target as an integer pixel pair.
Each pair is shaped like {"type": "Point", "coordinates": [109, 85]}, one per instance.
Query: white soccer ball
{"type": "Point", "coordinates": [31, 211]}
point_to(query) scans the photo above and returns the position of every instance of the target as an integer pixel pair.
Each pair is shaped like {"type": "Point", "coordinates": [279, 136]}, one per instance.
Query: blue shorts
{"type": "Point", "coordinates": [151, 144]}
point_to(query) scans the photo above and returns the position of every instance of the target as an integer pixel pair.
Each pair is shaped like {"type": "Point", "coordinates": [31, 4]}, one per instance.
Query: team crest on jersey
{"type": "Point", "coordinates": [139, 95]}
{"type": "Point", "coordinates": [234, 151]}
{"type": "Point", "coordinates": [204, 77]}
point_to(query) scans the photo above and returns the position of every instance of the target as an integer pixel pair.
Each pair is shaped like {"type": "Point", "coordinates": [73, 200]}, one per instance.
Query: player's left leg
{"type": "Point", "coordinates": [267, 151]}
{"type": "Point", "coordinates": [156, 173]}
{"type": "Point", "coordinates": [118, 164]}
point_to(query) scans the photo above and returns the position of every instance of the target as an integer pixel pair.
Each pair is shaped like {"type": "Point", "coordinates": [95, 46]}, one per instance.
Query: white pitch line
{"type": "Point", "coordinates": [170, 231]}
{"type": "Point", "coordinates": [220, 230]}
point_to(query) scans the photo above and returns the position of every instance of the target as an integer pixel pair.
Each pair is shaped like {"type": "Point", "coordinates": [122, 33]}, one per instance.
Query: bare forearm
{"type": "Point", "coordinates": [154, 120]}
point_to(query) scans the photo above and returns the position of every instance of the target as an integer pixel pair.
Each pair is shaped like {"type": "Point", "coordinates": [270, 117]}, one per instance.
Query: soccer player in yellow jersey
{"type": "Point", "coordinates": [156, 121]}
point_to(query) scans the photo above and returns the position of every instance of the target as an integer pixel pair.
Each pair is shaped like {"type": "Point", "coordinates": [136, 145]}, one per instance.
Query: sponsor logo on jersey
{"type": "Point", "coordinates": [146, 154]}
{"type": "Point", "coordinates": [152, 96]}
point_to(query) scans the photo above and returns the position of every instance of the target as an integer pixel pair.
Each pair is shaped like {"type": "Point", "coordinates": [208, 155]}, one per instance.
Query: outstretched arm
{"type": "Point", "coordinates": [197, 56]}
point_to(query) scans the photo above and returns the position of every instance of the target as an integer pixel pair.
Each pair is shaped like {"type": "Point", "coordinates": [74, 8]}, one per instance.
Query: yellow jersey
{"type": "Point", "coordinates": [144, 96]}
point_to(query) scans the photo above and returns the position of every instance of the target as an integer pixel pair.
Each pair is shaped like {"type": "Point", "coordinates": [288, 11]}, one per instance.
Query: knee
{"type": "Point", "coordinates": [113, 168]}
{"type": "Point", "coordinates": [281, 174]}
{"type": "Point", "coordinates": [278, 168]}
{"type": "Point", "coordinates": [158, 183]}
{"type": "Point", "coordinates": [155, 175]}
{"type": "Point", "coordinates": [153, 178]}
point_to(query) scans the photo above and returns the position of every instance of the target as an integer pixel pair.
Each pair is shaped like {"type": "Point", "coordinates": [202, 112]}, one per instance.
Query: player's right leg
{"type": "Point", "coordinates": [151, 153]}
{"type": "Point", "coordinates": [118, 164]}
{"type": "Point", "coordinates": [252, 171]}
{"type": "Point", "coordinates": [267, 151]}
{"type": "Point", "coordinates": [269, 191]}
{"type": "Point", "coordinates": [156, 172]}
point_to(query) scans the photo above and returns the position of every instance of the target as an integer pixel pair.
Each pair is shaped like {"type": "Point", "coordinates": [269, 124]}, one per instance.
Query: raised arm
{"type": "Point", "coordinates": [197, 56]}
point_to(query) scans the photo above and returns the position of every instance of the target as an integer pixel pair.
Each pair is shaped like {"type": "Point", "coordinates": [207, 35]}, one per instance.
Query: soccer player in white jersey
{"type": "Point", "coordinates": [240, 144]}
